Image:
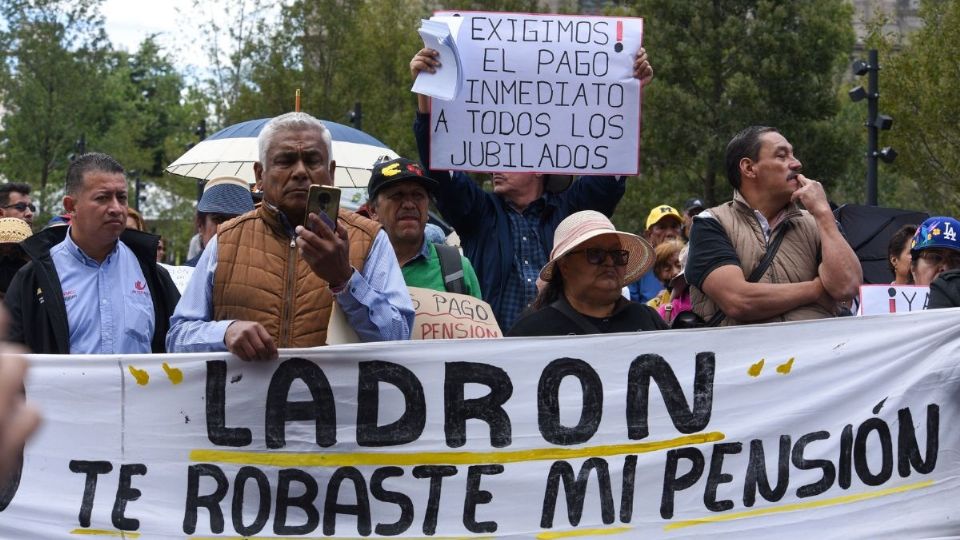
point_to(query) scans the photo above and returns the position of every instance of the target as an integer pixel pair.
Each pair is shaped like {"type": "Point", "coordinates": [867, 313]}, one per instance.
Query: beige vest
{"type": "Point", "coordinates": [261, 277]}
{"type": "Point", "coordinates": [797, 259]}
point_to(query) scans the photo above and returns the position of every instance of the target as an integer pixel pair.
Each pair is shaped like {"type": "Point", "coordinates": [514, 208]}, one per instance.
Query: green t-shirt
{"type": "Point", "coordinates": [424, 271]}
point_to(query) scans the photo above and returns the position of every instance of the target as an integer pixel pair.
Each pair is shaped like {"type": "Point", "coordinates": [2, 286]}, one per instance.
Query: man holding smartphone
{"type": "Point", "coordinates": [266, 282]}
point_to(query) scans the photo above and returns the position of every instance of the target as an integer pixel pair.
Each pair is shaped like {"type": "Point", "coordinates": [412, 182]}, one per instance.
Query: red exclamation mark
{"type": "Point", "coordinates": [619, 46]}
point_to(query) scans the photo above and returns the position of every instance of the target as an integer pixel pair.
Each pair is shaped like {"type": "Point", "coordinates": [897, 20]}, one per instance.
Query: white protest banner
{"type": "Point", "coordinates": [844, 427]}
{"type": "Point", "coordinates": [443, 315]}
{"type": "Point", "coordinates": [883, 299]}
{"type": "Point", "coordinates": [541, 93]}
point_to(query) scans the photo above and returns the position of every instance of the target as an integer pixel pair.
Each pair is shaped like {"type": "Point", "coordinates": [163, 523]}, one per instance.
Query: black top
{"type": "Point", "coordinates": [549, 321]}
{"type": "Point", "coordinates": [945, 290]}
{"type": "Point", "coordinates": [710, 248]}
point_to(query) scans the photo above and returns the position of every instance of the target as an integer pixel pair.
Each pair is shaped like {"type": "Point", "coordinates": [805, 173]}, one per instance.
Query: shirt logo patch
{"type": "Point", "coordinates": [69, 295]}
{"type": "Point", "coordinates": [140, 288]}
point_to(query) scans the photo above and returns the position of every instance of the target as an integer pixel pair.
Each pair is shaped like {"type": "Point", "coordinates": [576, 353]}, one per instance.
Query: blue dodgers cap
{"type": "Point", "coordinates": [936, 232]}
{"type": "Point", "coordinates": [226, 195]}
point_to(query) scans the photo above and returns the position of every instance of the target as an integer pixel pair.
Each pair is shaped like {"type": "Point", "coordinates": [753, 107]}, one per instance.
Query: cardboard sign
{"type": "Point", "coordinates": [541, 93]}
{"type": "Point", "coordinates": [443, 315]}
{"type": "Point", "coordinates": [771, 431]}
{"type": "Point", "coordinates": [882, 299]}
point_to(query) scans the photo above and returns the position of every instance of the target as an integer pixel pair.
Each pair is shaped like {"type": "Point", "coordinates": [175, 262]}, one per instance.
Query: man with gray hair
{"type": "Point", "coordinates": [266, 281]}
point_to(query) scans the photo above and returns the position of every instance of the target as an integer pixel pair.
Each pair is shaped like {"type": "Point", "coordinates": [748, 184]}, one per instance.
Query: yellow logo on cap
{"type": "Point", "coordinates": [391, 170]}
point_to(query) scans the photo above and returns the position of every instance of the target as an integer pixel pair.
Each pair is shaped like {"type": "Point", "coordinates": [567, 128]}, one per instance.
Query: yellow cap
{"type": "Point", "coordinates": [660, 212]}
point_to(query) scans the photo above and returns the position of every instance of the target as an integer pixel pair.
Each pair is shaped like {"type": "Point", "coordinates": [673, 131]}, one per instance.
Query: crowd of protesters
{"type": "Point", "coordinates": [540, 249]}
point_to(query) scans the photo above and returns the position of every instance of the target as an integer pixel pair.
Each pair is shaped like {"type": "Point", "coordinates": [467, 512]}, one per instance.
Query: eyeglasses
{"type": "Point", "coordinates": [598, 256]}
{"type": "Point", "coordinates": [934, 258]}
{"type": "Point", "coordinates": [21, 207]}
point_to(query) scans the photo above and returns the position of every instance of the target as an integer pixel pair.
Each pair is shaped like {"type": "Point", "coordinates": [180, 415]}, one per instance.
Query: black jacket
{"type": "Point", "coordinates": [945, 290]}
{"type": "Point", "coordinates": [35, 298]}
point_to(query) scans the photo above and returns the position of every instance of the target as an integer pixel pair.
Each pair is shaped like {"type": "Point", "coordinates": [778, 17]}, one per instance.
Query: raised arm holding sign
{"type": "Point", "coordinates": [508, 234]}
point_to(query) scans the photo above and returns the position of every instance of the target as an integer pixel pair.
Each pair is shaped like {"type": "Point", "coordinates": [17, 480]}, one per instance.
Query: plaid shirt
{"type": "Point", "coordinates": [528, 259]}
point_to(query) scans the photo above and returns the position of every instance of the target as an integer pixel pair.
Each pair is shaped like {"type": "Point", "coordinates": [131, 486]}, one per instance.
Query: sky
{"type": "Point", "coordinates": [129, 21]}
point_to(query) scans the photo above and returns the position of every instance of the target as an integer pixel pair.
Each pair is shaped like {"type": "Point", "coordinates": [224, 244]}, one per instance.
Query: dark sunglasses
{"type": "Point", "coordinates": [934, 258]}
{"type": "Point", "coordinates": [598, 256]}
{"type": "Point", "coordinates": [22, 207]}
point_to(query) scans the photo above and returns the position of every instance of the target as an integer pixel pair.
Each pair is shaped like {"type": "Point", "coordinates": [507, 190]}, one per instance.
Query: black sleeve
{"type": "Point", "coordinates": [710, 248]}
{"type": "Point", "coordinates": [14, 303]}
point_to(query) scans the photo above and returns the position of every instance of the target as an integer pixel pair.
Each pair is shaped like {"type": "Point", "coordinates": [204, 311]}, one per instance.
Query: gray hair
{"type": "Point", "coordinates": [296, 121]}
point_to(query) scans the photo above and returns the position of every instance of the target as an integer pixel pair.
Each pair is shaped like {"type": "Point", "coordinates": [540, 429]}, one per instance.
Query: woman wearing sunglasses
{"type": "Point", "coordinates": [590, 264]}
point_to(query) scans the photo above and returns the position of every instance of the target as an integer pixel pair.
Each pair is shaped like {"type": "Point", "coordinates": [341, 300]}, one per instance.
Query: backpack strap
{"type": "Point", "coordinates": [760, 269]}
{"type": "Point", "coordinates": [451, 266]}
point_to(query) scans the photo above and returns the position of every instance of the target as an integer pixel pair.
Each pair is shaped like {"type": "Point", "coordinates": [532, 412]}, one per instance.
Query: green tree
{"type": "Point", "coordinates": [54, 55]}
{"type": "Point", "coordinates": [722, 65]}
{"type": "Point", "coordinates": [150, 123]}
{"type": "Point", "coordinates": [921, 90]}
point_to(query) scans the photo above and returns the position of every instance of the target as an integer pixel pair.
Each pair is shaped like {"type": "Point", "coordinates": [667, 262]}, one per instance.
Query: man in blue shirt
{"type": "Point", "coordinates": [93, 287]}
{"type": "Point", "coordinates": [265, 281]}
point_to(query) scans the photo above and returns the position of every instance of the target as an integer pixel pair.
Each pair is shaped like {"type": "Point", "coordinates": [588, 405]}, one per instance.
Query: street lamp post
{"type": "Point", "coordinates": [875, 120]}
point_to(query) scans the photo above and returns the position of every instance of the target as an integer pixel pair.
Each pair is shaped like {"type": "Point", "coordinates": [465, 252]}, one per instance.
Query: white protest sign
{"type": "Point", "coordinates": [883, 299]}
{"type": "Point", "coordinates": [180, 275]}
{"type": "Point", "coordinates": [786, 431]}
{"type": "Point", "coordinates": [443, 315]}
{"type": "Point", "coordinates": [541, 93]}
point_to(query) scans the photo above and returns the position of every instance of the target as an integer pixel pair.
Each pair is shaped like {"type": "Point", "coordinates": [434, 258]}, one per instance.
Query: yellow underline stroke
{"type": "Point", "coordinates": [104, 532]}
{"type": "Point", "coordinates": [317, 459]}
{"type": "Point", "coordinates": [581, 532]}
{"type": "Point", "coordinates": [343, 538]}
{"type": "Point", "coordinates": [844, 499]}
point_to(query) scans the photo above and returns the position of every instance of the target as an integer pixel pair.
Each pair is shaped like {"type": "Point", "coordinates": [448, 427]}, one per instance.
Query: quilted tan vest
{"type": "Point", "coordinates": [796, 260]}
{"type": "Point", "coordinates": [261, 277]}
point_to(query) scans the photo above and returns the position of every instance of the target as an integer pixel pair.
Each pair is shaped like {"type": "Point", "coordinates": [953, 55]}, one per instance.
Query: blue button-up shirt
{"type": "Point", "coordinates": [109, 305]}
{"type": "Point", "coordinates": [528, 259]}
{"type": "Point", "coordinates": [376, 302]}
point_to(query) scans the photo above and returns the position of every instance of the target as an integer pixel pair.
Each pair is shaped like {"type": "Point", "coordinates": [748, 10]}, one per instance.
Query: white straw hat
{"type": "Point", "coordinates": [582, 226]}
{"type": "Point", "coordinates": [14, 230]}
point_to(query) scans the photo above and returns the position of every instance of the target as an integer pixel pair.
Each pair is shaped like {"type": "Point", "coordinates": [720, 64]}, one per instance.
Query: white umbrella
{"type": "Point", "coordinates": [232, 151]}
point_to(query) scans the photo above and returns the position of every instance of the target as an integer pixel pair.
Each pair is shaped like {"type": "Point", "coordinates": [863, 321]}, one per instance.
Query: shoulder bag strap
{"type": "Point", "coordinates": [760, 269]}
{"type": "Point", "coordinates": [452, 268]}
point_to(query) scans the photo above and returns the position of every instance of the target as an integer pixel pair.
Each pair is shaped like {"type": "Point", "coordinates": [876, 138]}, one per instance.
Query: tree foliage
{"type": "Point", "coordinates": [722, 65]}
{"type": "Point", "coordinates": [53, 59]}
{"type": "Point", "coordinates": [921, 89]}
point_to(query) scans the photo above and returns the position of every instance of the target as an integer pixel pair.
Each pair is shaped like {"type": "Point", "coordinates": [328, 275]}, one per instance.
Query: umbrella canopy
{"type": "Point", "coordinates": [232, 151]}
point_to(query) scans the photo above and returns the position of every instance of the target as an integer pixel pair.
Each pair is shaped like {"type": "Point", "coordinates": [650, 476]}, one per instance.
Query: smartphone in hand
{"type": "Point", "coordinates": [324, 201]}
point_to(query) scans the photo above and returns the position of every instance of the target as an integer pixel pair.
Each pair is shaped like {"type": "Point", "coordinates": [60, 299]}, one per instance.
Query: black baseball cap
{"type": "Point", "coordinates": [693, 203]}
{"type": "Point", "coordinates": [390, 172]}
